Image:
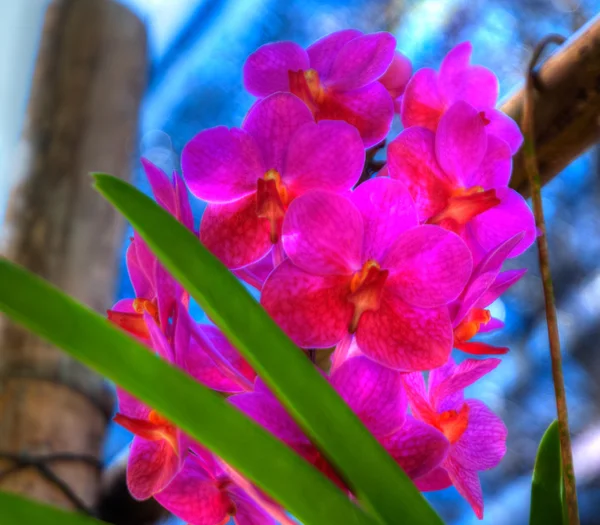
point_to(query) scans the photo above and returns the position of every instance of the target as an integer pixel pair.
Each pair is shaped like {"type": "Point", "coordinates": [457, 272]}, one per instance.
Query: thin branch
{"type": "Point", "coordinates": [531, 168]}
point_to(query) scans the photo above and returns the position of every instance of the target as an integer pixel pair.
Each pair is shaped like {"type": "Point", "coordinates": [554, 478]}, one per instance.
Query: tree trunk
{"type": "Point", "coordinates": [82, 116]}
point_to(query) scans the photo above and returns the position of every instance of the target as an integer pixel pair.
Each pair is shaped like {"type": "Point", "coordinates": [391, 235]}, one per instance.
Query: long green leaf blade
{"type": "Point", "coordinates": [16, 510]}
{"type": "Point", "coordinates": [546, 486]}
{"type": "Point", "coordinates": [198, 411]}
{"type": "Point", "coordinates": [375, 477]}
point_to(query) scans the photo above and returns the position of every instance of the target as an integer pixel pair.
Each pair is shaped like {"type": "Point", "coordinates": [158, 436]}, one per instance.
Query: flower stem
{"type": "Point", "coordinates": [532, 170]}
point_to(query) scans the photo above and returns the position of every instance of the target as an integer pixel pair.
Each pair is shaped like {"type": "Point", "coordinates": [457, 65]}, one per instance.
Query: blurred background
{"type": "Point", "coordinates": [196, 51]}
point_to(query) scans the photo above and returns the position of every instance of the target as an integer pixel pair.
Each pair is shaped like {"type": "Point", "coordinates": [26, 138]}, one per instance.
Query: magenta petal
{"type": "Point", "coordinates": [422, 103]}
{"type": "Point", "coordinates": [387, 210]}
{"type": "Point", "coordinates": [329, 155]}
{"type": "Point", "coordinates": [270, 414]}
{"type": "Point", "coordinates": [369, 109]}
{"type": "Point", "coordinates": [476, 85]}
{"type": "Point", "coordinates": [194, 497]}
{"type": "Point", "coordinates": [467, 483]}
{"type": "Point", "coordinates": [503, 221]}
{"type": "Point", "coordinates": [310, 309]}
{"type": "Point", "coordinates": [361, 61]}
{"type": "Point", "coordinates": [449, 379]}
{"type": "Point", "coordinates": [483, 443]}
{"type": "Point", "coordinates": [247, 512]}
{"type": "Point", "coordinates": [373, 392]}
{"type": "Point", "coordinates": [130, 406]}
{"type": "Point", "coordinates": [494, 170]}
{"type": "Point", "coordinates": [183, 209]}
{"type": "Point", "coordinates": [142, 285]}
{"type": "Point", "coordinates": [417, 447]}
{"type": "Point", "coordinates": [162, 188]}
{"type": "Point", "coordinates": [158, 340]}
{"type": "Point", "coordinates": [455, 62]}
{"type": "Point", "coordinates": [412, 161]}
{"type": "Point", "coordinates": [323, 233]}
{"type": "Point", "coordinates": [234, 233]}
{"type": "Point", "coordinates": [324, 51]}
{"type": "Point", "coordinates": [404, 337]}
{"type": "Point", "coordinates": [397, 75]}
{"type": "Point", "coordinates": [437, 479]}
{"type": "Point", "coordinates": [418, 399]}
{"type": "Point", "coordinates": [429, 266]}
{"type": "Point", "coordinates": [505, 128]}
{"type": "Point", "coordinates": [266, 70]}
{"type": "Point", "coordinates": [222, 165]}
{"type": "Point", "coordinates": [492, 325]}
{"type": "Point", "coordinates": [151, 467]}
{"type": "Point", "coordinates": [272, 122]}
{"type": "Point", "coordinates": [502, 283]}
{"type": "Point", "coordinates": [460, 141]}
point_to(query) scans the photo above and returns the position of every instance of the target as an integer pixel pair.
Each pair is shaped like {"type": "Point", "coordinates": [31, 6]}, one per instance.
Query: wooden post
{"type": "Point", "coordinates": [82, 116]}
{"type": "Point", "coordinates": [567, 114]}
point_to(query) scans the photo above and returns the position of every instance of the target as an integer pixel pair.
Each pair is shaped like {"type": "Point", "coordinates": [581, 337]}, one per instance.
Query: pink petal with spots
{"type": "Point", "coordinates": [422, 103]}
{"type": "Point", "coordinates": [369, 109]}
{"type": "Point", "coordinates": [429, 266]}
{"type": "Point", "coordinates": [270, 414]}
{"type": "Point", "coordinates": [329, 155]}
{"type": "Point", "coordinates": [142, 285]}
{"type": "Point", "coordinates": [234, 233]}
{"type": "Point", "coordinates": [404, 337]}
{"type": "Point", "coordinates": [194, 497]}
{"type": "Point", "coordinates": [162, 187]}
{"type": "Point", "coordinates": [247, 511]}
{"type": "Point", "coordinates": [397, 75]}
{"type": "Point", "coordinates": [324, 51]}
{"type": "Point", "coordinates": [503, 221]}
{"type": "Point", "coordinates": [502, 283]}
{"type": "Point", "coordinates": [200, 365]}
{"type": "Point", "coordinates": [222, 165]}
{"type": "Point", "coordinates": [266, 70]}
{"type": "Point", "coordinates": [323, 233]}
{"type": "Point", "coordinates": [467, 483]}
{"type": "Point", "coordinates": [387, 210]}
{"type": "Point", "coordinates": [418, 399]}
{"type": "Point", "coordinates": [411, 160]}
{"type": "Point", "coordinates": [158, 340]}
{"type": "Point", "coordinates": [130, 406]}
{"type": "Point", "coordinates": [168, 292]}
{"type": "Point", "coordinates": [361, 61]}
{"type": "Point", "coordinates": [373, 392]}
{"type": "Point", "coordinates": [483, 443]}
{"type": "Point", "coordinates": [146, 260]}
{"type": "Point", "coordinates": [312, 310]}
{"type": "Point", "coordinates": [151, 467]}
{"type": "Point", "coordinates": [505, 128]}
{"type": "Point", "coordinates": [437, 479]}
{"type": "Point", "coordinates": [417, 447]}
{"type": "Point", "coordinates": [460, 141]}
{"type": "Point", "coordinates": [495, 168]}
{"type": "Point", "coordinates": [456, 61]}
{"type": "Point", "coordinates": [272, 122]}
{"type": "Point", "coordinates": [450, 378]}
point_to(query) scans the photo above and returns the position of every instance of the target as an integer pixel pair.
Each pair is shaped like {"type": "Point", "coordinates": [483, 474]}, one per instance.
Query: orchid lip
{"type": "Point", "coordinates": [366, 287]}
{"type": "Point", "coordinates": [470, 326]}
{"type": "Point", "coordinates": [271, 202]}
{"type": "Point", "coordinates": [464, 205]}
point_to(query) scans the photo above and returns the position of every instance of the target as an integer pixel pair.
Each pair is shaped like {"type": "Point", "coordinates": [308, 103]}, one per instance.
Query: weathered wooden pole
{"type": "Point", "coordinates": [82, 116]}
{"type": "Point", "coordinates": [567, 116]}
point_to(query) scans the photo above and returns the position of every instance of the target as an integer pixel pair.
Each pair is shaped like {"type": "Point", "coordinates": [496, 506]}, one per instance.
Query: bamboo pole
{"type": "Point", "coordinates": [82, 116]}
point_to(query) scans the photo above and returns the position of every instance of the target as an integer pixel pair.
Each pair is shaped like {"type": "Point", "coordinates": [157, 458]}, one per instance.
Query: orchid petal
{"type": "Point", "coordinates": [495, 168]}
{"type": "Point", "coordinates": [323, 52]}
{"type": "Point", "coordinates": [422, 103]}
{"type": "Point", "coordinates": [505, 128]}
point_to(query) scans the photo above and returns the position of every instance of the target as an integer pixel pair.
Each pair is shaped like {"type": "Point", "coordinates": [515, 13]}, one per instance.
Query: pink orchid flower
{"type": "Point", "coordinates": [476, 435]}
{"type": "Point", "coordinates": [250, 175]}
{"type": "Point", "coordinates": [336, 77]}
{"type": "Point", "coordinates": [396, 78]}
{"type": "Point", "coordinates": [200, 495]}
{"type": "Point", "coordinates": [363, 265]}
{"type": "Point", "coordinates": [469, 312]}
{"type": "Point", "coordinates": [429, 94]}
{"type": "Point", "coordinates": [459, 177]}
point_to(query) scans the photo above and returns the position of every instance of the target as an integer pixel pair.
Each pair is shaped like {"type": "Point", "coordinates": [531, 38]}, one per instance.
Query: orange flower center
{"type": "Point", "coordinates": [272, 199]}
{"type": "Point", "coordinates": [453, 423]}
{"type": "Point", "coordinates": [463, 205]}
{"type": "Point", "coordinates": [366, 287]}
{"type": "Point", "coordinates": [471, 324]}
{"type": "Point", "coordinates": [155, 428]}
{"type": "Point", "coordinates": [307, 86]}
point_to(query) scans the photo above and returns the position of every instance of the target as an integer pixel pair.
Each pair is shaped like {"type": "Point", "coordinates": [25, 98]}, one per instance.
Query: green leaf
{"type": "Point", "coordinates": [547, 483]}
{"type": "Point", "coordinates": [374, 476]}
{"type": "Point", "coordinates": [17, 510]}
{"type": "Point", "coordinates": [200, 412]}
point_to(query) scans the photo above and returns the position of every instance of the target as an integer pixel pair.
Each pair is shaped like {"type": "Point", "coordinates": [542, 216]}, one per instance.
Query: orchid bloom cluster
{"type": "Point", "coordinates": [389, 274]}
